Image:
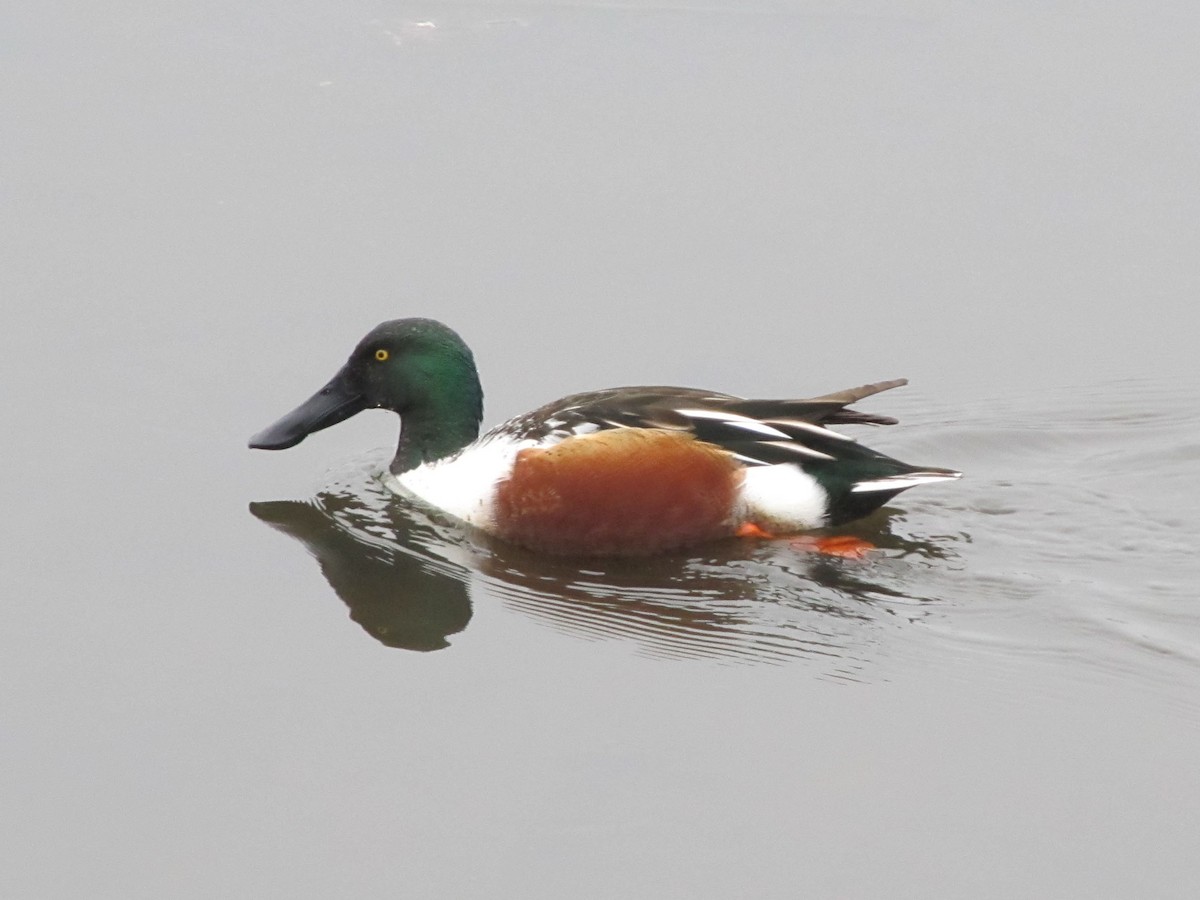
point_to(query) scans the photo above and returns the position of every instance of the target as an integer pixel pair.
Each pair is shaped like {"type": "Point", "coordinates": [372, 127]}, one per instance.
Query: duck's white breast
{"type": "Point", "coordinates": [463, 485]}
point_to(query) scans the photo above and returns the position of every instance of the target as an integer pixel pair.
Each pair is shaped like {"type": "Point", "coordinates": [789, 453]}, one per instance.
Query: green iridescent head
{"type": "Point", "coordinates": [419, 369]}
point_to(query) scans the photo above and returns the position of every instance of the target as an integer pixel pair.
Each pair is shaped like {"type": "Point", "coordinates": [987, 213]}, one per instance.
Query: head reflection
{"type": "Point", "coordinates": [401, 596]}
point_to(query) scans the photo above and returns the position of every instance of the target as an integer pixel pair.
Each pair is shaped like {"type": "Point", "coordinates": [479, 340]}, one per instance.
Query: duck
{"type": "Point", "coordinates": [626, 471]}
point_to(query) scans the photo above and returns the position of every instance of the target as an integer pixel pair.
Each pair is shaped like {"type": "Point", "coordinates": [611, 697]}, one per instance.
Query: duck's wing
{"type": "Point", "coordinates": [759, 432]}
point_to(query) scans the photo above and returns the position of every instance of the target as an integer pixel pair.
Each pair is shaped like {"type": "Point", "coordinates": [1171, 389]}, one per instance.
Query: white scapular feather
{"type": "Point", "coordinates": [811, 428]}
{"type": "Point", "coordinates": [799, 449]}
{"type": "Point", "coordinates": [734, 420]}
{"type": "Point", "coordinates": [900, 482]}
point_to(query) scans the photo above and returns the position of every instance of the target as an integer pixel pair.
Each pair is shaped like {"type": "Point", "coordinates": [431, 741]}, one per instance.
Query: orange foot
{"type": "Point", "coordinates": [750, 530]}
{"type": "Point", "coordinates": [844, 545]}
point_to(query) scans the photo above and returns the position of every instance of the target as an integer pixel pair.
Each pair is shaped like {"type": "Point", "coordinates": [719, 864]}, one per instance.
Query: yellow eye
{"type": "Point", "coordinates": [381, 355]}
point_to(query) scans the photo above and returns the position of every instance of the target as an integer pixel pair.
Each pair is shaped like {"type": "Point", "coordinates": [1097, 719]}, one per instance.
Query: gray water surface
{"type": "Point", "coordinates": [240, 674]}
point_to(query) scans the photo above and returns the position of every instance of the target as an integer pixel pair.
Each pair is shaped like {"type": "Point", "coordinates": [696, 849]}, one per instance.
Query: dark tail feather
{"type": "Point", "coordinates": [829, 409]}
{"type": "Point", "coordinates": [844, 398]}
{"type": "Point", "coordinates": [853, 395]}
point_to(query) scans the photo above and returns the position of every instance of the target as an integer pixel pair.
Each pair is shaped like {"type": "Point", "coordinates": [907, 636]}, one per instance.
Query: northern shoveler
{"type": "Point", "coordinates": [631, 470]}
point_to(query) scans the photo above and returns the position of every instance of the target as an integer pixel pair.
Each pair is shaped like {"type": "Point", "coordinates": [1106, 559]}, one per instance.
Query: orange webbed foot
{"type": "Point", "coordinates": [750, 530]}
{"type": "Point", "coordinates": [844, 545]}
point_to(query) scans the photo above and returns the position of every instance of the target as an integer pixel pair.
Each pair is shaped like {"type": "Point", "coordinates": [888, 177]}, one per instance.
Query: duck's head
{"type": "Point", "coordinates": [417, 368]}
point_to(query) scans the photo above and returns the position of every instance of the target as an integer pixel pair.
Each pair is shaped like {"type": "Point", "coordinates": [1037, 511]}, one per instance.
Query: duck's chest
{"type": "Point", "coordinates": [463, 485]}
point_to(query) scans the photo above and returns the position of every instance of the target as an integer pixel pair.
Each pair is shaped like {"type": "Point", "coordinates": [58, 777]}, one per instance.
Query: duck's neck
{"type": "Point", "coordinates": [441, 425]}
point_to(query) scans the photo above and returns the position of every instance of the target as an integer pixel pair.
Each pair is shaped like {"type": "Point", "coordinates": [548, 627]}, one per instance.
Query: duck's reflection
{"type": "Point", "coordinates": [406, 575]}
{"type": "Point", "coordinates": [402, 595]}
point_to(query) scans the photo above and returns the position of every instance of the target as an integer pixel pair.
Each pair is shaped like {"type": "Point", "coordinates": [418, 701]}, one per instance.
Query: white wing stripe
{"type": "Point", "coordinates": [811, 428]}
{"type": "Point", "coordinates": [798, 448]}
{"type": "Point", "coordinates": [900, 482]}
{"type": "Point", "coordinates": [734, 421]}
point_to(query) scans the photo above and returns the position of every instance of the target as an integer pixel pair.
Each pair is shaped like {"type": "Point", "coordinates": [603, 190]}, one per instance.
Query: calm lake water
{"type": "Point", "coordinates": [238, 674]}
